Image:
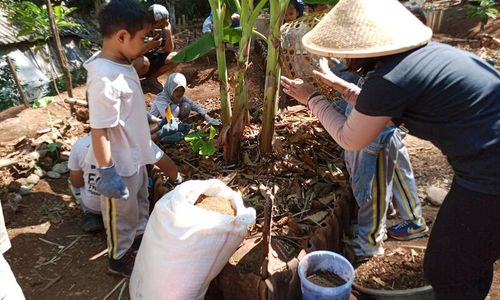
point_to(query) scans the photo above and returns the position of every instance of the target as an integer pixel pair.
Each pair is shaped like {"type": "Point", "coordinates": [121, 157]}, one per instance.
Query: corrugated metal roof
{"type": "Point", "coordinates": [8, 33]}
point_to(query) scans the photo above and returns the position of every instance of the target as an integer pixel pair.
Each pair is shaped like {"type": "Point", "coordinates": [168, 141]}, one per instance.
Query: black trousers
{"type": "Point", "coordinates": [464, 245]}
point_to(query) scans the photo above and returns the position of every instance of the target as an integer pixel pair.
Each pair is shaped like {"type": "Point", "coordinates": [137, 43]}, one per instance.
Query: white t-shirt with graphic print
{"type": "Point", "coordinates": [91, 199]}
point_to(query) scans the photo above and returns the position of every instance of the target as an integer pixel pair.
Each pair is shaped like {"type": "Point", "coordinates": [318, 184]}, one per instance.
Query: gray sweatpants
{"type": "Point", "coordinates": [377, 177]}
{"type": "Point", "coordinates": [124, 219]}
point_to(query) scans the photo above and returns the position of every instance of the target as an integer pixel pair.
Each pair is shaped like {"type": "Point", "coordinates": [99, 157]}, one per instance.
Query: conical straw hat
{"type": "Point", "coordinates": [366, 28]}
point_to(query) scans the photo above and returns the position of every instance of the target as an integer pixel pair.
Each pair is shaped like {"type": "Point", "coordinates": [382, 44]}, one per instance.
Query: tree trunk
{"type": "Point", "coordinates": [273, 70]}
{"type": "Point", "coordinates": [63, 61]}
{"type": "Point", "coordinates": [18, 83]}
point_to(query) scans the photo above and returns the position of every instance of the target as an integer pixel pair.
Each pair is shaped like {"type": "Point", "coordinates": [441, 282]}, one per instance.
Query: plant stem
{"type": "Point", "coordinates": [272, 74]}
{"type": "Point", "coordinates": [218, 12]}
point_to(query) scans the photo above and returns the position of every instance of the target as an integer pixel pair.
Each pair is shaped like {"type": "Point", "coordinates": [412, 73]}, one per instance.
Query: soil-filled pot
{"type": "Point", "coordinates": [337, 282]}
{"type": "Point", "coordinates": [421, 293]}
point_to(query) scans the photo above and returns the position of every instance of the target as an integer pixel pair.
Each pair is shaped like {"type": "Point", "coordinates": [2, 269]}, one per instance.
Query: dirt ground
{"type": "Point", "coordinates": [53, 259]}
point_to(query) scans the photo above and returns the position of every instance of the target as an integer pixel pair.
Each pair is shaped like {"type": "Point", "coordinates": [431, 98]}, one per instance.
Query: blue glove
{"type": "Point", "coordinates": [172, 139]}
{"type": "Point", "coordinates": [212, 121]}
{"type": "Point", "coordinates": [162, 123]}
{"type": "Point", "coordinates": [162, 132]}
{"type": "Point", "coordinates": [111, 184]}
{"type": "Point", "coordinates": [184, 128]}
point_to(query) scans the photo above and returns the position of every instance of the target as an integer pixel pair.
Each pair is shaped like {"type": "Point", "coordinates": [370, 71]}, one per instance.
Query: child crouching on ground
{"type": "Point", "coordinates": [180, 108]}
{"type": "Point", "coordinates": [121, 144]}
{"type": "Point", "coordinates": [83, 178]}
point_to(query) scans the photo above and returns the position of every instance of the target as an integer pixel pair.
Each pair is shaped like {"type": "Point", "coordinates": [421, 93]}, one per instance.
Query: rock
{"type": "Point", "coordinates": [39, 172]}
{"type": "Point", "coordinates": [436, 195]}
{"type": "Point", "coordinates": [14, 186]}
{"type": "Point", "coordinates": [35, 155]}
{"type": "Point", "coordinates": [46, 163]}
{"type": "Point", "coordinates": [61, 168]}
{"type": "Point", "coordinates": [38, 154]}
{"type": "Point", "coordinates": [10, 205]}
{"type": "Point", "coordinates": [53, 175]}
{"type": "Point", "coordinates": [24, 190]}
{"type": "Point", "coordinates": [33, 179]}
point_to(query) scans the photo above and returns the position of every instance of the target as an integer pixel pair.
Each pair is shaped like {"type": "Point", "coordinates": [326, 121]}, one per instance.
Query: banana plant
{"type": "Point", "coordinates": [219, 9]}
{"type": "Point", "coordinates": [273, 71]}
{"type": "Point", "coordinates": [231, 142]}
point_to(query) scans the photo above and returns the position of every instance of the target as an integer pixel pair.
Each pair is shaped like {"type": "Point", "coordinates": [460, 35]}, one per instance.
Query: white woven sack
{"type": "Point", "coordinates": [184, 247]}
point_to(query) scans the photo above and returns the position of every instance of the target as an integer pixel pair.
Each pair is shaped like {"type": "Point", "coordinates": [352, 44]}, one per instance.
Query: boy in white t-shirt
{"type": "Point", "coordinates": [121, 144]}
{"type": "Point", "coordinates": [83, 176]}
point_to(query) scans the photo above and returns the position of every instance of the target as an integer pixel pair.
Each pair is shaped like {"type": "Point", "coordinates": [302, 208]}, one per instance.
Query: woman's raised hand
{"type": "Point", "coordinates": [298, 89]}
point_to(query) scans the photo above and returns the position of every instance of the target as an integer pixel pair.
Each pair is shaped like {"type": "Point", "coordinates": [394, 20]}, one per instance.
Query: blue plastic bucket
{"type": "Point", "coordinates": [325, 261]}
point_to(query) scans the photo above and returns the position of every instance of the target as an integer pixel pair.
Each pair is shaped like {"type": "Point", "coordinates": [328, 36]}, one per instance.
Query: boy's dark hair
{"type": "Point", "coordinates": [123, 14]}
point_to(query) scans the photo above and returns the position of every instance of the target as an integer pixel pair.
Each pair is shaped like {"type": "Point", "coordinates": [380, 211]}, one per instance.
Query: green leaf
{"type": "Point", "coordinates": [197, 144]}
{"type": "Point", "coordinates": [61, 24]}
{"type": "Point", "coordinates": [207, 149]}
{"type": "Point", "coordinates": [43, 102]}
{"type": "Point", "coordinates": [212, 133]}
{"type": "Point", "coordinates": [191, 137]}
{"type": "Point", "coordinates": [52, 147]}
{"type": "Point", "coordinates": [205, 44]}
{"type": "Point", "coordinates": [232, 35]}
{"type": "Point", "coordinates": [69, 10]}
{"type": "Point", "coordinates": [57, 12]}
{"type": "Point", "coordinates": [32, 6]}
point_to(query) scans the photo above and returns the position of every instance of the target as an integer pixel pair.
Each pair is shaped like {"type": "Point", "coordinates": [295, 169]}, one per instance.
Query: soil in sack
{"type": "Point", "coordinates": [217, 204]}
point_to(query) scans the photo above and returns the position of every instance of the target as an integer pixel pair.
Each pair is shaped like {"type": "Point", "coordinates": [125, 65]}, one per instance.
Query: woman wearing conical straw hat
{"type": "Point", "coordinates": [439, 93]}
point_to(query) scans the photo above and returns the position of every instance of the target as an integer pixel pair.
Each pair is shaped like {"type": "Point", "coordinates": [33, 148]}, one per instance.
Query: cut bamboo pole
{"type": "Point", "coordinates": [63, 60]}
{"type": "Point", "coordinates": [18, 84]}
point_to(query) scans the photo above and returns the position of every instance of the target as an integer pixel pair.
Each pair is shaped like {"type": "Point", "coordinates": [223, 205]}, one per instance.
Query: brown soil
{"type": "Point", "coordinates": [217, 204]}
{"type": "Point", "coordinates": [326, 279]}
{"type": "Point", "coordinates": [399, 269]}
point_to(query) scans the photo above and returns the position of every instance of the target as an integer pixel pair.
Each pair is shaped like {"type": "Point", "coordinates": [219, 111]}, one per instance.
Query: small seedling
{"type": "Point", "coordinates": [202, 141]}
{"type": "Point", "coordinates": [484, 9]}
{"type": "Point", "coordinates": [54, 147]}
{"type": "Point", "coordinates": [44, 103]}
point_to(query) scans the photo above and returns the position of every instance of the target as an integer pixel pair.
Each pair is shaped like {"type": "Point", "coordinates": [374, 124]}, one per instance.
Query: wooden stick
{"type": "Point", "coordinates": [77, 102]}
{"type": "Point", "coordinates": [99, 254]}
{"type": "Point", "coordinates": [51, 243]}
{"type": "Point", "coordinates": [122, 290]}
{"type": "Point", "coordinates": [70, 245]}
{"type": "Point", "coordinates": [18, 84]}
{"type": "Point", "coordinates": [114, 289]}
{"type": "Point", "coordinates": [51, 283]}
{"type": "Point", "coordinates": [7, 162]}
{"type": "Point", "coordinates": [266, 230]}
{"type": "Point", "coordinates": [63, 60]}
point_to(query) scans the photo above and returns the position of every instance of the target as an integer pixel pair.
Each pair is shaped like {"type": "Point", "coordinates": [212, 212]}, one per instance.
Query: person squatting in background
{"type": "Point", "coordinates": [83, 178]}
{"type": "Point", "coordinates": [173, 99]}
{"type": "Point", "coordinates": [157, 53]}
